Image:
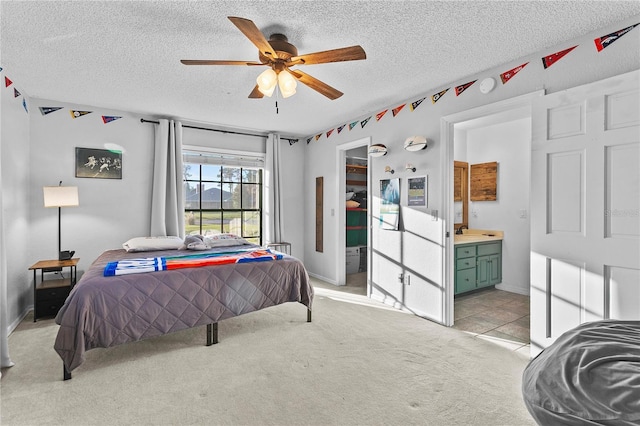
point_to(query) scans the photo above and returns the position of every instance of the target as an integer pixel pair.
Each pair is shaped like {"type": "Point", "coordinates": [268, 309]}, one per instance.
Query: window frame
{"type": "Point", "coordinates": [220, 181]}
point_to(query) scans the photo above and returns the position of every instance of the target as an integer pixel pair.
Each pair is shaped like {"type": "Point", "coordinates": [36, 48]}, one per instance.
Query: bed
{"type": "Point", "coordinates": [105, 311]}
{"type": "Point", "coordinates": [589, 376]}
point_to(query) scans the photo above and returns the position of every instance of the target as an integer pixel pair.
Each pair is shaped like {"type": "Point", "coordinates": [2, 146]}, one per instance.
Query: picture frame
{"type": "Point", "coordinates": [389, 204]}
{"type": "Point", "coordinates": [418, 193]}
{"type": "Point", "coordinates": [98, 163]}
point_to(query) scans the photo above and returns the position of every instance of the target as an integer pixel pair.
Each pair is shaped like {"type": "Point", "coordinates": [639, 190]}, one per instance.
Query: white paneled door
{"type": "Point", "coordinates": [585, 207]}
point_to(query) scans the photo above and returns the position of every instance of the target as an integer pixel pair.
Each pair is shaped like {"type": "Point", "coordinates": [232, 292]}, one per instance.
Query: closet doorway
{"type": "Point", "coordinates": [353, 265]}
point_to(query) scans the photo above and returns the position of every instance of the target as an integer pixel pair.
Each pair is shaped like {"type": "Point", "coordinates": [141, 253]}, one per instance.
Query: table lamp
{"type": "Point", "coordinates": [61, 196]}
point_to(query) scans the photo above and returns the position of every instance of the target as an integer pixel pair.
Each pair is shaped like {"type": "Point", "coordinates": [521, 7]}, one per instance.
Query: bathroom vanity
{"type": "Point", "coordinates": [478, 259]}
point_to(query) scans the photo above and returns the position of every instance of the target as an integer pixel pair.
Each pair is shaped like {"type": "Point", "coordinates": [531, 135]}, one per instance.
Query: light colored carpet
{"type": "Point", "coordinates": [357, 363]}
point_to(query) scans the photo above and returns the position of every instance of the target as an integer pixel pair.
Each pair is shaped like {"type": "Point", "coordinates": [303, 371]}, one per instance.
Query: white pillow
{"type": "Point", "coordinates": [153, 243]}
{"type": "Point", "coordinates": [221, 240]}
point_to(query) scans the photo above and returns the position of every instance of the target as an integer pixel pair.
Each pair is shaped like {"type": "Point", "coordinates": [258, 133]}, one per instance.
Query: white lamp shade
{"type": "Point", "coordinates": [60, 196]}
{"type": "Point", "coordinates": [415, 143]}
{"type": "Point", "coordinates": [267, 82]}
{"type": "Point", "coordinates": [287, 84]}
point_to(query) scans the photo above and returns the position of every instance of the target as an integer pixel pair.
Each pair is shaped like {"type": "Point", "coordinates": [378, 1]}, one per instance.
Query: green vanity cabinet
{"type": "Point", "coordinates": [477, 265]}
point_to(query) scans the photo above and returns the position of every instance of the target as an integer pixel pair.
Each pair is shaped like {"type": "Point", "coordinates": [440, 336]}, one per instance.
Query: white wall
{"type": "Point", "coordinates": [417, 248]}
{"type": "Point", "coordinates": [111, 210]}
{"type": "Point", "coordinates": [510, 145]}
{"type": "Point", "coordinates": [15, 168]}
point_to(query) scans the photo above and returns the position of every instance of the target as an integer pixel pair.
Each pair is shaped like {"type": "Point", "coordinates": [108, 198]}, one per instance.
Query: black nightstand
{"type": "Point", "coordinates": [49, 294]}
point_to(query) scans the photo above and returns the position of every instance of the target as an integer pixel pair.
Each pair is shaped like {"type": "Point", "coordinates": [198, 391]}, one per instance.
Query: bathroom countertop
{"type": "Point", "coordinates": [470, 236]}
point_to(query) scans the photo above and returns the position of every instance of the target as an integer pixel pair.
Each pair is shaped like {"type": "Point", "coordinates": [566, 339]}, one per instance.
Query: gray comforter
{"type": "Point", "coordinates": [589, 376]}
{"type": "Point", "coordinates": [109, 311]}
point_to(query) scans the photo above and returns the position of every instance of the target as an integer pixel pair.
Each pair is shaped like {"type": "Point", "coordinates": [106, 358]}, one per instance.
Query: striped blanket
{"type": "Point", "coordinates": [152, 264]}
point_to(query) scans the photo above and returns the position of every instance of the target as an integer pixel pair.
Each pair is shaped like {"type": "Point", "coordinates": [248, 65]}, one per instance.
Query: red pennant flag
{"type": "Point", "coordinates": [605, 41]}
{"type": "Point", "coordinates": [547, 61]}
{"type": "Point", "coordinates": [462, 88]}
{"type": "Point", "coordinates": [352, 125]}
{"type": "Point", "coordinates": [318, 136]}
{"type": "Point", "coordinates": [341, 127]}
{"type": "Point", "coordinates": [506, 76]}
{"type": "Point", "coordinates": [109, 118]}
{"type": "Point", "coordinates": [15, 93]}
{"type": "Point", "coordinates": [381, 114]}
{"type": "Point", "coordinates": [417, 103]}
{"type": "Point", "coordinates": [435, 98]}
{"type": "Point", "coordinates": [397, 109]}
{"type": "Point", "coordinates": [329, 132]}
{"type": "Point", "coordinates": [76, 114]}
{"type": "Point", "coordinates": [364, 122]}
{"type": "Point", "coordinates": [7, 82]}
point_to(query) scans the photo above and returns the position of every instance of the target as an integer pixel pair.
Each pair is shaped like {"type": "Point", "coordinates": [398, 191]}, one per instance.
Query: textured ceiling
{"type": "Point", "coordinates": [125, 55]}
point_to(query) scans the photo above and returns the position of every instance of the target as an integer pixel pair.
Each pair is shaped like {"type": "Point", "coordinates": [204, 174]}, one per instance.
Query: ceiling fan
{"type": "Point", "coordinates": [279, 55]}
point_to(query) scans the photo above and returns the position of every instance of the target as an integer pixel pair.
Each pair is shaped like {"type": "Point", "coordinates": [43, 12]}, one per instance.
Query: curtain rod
{"type": "Point", "coordinates": [291, 141]}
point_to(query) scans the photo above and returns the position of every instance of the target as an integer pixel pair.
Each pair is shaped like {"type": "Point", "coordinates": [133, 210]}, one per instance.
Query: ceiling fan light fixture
{"type": "Point", "coordinates": [287, 84]}
{"type": "Point", "coordinates": [267, 82]}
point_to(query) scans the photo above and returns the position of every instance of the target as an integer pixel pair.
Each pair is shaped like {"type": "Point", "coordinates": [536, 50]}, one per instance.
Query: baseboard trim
{"type": "Point", "coordinates": [513, 289]}
{"type": "Point", "coordinates": [17, 322]}
{"type": "Point", "coordinates": [325, 279]}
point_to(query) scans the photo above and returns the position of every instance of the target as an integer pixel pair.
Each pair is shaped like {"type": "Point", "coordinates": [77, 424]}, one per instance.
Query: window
{"type": "Point", "coordinates": [222, 198]}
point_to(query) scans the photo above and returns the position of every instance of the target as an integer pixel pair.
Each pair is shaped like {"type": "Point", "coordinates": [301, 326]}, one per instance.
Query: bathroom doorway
{"type": "Point", "coordinates": [497, 134]}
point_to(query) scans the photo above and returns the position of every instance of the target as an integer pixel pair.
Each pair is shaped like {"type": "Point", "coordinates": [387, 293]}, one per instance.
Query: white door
{"type": "Point", "coordinates": [585, 207]}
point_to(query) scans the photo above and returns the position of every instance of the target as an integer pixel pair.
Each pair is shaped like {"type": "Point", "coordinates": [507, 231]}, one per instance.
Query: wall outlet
{"type": "Point", "coordinates": [522, 214]}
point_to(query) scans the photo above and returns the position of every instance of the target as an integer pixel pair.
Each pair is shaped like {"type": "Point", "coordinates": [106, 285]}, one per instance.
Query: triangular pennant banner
{"type": "Point", "coordinates": [0, 69]}
{"type": "Point", "coordinates": [364, 122]}
{"type": "Point", "coordinates": [352, 125]}
{"type": "Point", "coordinates": [15, 93]}
{"type": "Point", "coordinates": [381, 114]}
{"type": "Point", "coordinates": [605, 41]}
{"type": "Point", "coordinates": [507, 75]}
{"type": "Point", "coordinates": [397, 109]}
{"type": "Point", "coordinates": [24, 105]}
{"type": "Point", "coordinates": [76, 114]}
{"type": "Point", "coordinates": [415, 104]}
{"type": "Point", "coordinates": [547, 61]}
{"type": "Point", "coordinates": [309, 140]}
{"type": "Point", "coordinates": [7, 82]}
{"type": "Point", "coordinates": [329, 132]}
{"type": "Point", "coordinates": [462, 88]}
{"type": "Point", "coordinates": [340, 128]}
{"type": "Point", "coordinates": [318, 136]}
{"type": "Point", "coordinates": [48, 110]}
{"type": "Point", "coordinates": [435, 98]}
{"type": "Point", "coordinates": [109, 118]}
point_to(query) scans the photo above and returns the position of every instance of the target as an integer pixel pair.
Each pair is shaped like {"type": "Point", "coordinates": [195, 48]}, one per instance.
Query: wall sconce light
{"type": "Point", "coordinates": [388, 169]}
{"type": "Point", "coordinates": [377, 150]}
{"type": "Point", "coordinates": [415, 143]}
{"type": "Point", "coordinates": [409, 166]}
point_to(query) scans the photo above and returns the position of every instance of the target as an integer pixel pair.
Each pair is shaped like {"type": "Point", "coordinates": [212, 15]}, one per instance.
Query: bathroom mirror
{"type": "Point", "coordinates": [460, 194]}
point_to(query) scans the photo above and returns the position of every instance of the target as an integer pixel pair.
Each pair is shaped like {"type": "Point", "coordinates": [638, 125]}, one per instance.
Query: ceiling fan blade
{"type": "Point", "coordinates": [216, 62]}
{"type": "Point", "coordinates": [352, 53]}
{"type": "Point", "coordinates": [255, 93]}
{"type": "Point", "coordinates": [317, 85]}
{"type": "Point", "coordinates": [252, 32]}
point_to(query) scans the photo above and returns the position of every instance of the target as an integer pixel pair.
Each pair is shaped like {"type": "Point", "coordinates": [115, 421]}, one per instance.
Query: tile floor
{"type": "Point", "coordinates": [496, 315]}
